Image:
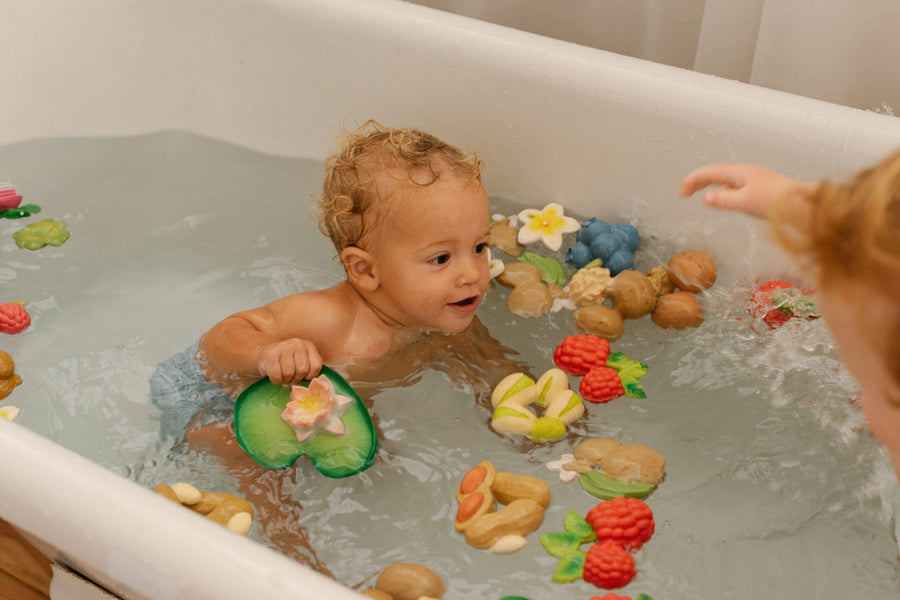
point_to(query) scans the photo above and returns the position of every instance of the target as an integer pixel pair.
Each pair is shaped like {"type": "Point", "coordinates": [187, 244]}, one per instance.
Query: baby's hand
{"type": "Point", "coordinates": [289, 361]}
{"type": "Point", "coordinates": [745, 188]}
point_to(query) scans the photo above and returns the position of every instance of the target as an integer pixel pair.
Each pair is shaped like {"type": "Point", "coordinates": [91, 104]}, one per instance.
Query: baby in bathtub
{"type": "Point", "coordinates": [409, 219]}
{"type": "Point", "coordinates": [408, 216]}
{"type": "Point", "coordinates": [849, 235]}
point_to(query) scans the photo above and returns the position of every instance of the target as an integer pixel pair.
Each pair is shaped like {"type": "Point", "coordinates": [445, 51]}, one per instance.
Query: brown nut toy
{"type": "Point", "coordinates": [8, 377]}
{"type": "Point", "coordinates": [678, 310]}
{"type": "Point", "coordinates": [601, 321]}
{"type": "Point", "coordinates": [692, 271]}
{"type": "Point", "coordinates": [500, 531]}
{"type": "Point", "coordinates": [234, 513]}
{"type": "Point", "coordinates": [407, 581]}
{"type": "Point", "coordinates": [632, 294]}
{"type": "Point", "coordinates": [628, 463]}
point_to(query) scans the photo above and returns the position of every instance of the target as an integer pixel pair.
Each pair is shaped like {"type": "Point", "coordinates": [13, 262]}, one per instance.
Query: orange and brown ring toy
{"type": "Point", "coordinates": [500, 531]}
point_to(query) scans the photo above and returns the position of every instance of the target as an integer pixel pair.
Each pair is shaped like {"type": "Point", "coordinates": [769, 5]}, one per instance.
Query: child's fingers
{"type": "Point", "coordinates": [722, 174]}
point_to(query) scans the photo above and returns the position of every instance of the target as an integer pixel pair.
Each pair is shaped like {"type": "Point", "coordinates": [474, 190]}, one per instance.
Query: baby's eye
{"type": "Point", "coordinates": [441, 259]}
{"type": "Point", "coordinates": [480, 248]}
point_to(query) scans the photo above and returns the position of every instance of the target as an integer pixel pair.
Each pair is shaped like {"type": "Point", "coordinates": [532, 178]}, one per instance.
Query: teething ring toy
{"type": "Point", "coordinates": [500, 531]}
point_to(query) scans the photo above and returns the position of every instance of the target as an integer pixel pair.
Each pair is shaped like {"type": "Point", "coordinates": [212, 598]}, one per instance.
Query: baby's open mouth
{"type": "Point", "coordinates": [466, 301]}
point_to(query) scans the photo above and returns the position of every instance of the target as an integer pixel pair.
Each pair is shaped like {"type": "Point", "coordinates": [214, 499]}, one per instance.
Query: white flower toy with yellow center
{"type": "Point", "coordinates": [315, 408]}
{"type": "Point", "coordinates": [548, 225]}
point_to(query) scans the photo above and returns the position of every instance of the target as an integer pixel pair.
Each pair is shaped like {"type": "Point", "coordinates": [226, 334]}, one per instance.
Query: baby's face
{"type": "Point", "coordinates": [431, 254]}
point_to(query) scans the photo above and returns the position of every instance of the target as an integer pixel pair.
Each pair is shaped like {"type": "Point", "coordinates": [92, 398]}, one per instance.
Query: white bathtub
{"type": "Point", "coordinates": [553, 121]}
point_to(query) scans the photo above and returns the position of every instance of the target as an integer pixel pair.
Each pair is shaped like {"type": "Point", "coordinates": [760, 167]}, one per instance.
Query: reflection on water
{"type": "Point", "coordinates": [773, 481]}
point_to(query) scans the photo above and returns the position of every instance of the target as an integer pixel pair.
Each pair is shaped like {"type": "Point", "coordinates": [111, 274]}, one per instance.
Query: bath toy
{"type": "Point", "coordinates": [628, 470]}
{"type": "Point", "coordinates": [548, 225]}
{"type": "Point", "coordinates": [632, 294]}
{"type": "Point", "coordinates": [499, 531]}
{"type": "Point", "coordinates": [37, 235]}
{"type": "Point", "coordinates": [613, 244]}
{"type": "Point", "coordinates": [692, 271]}
{"type": "Point", "coordinates": [531, 295]}
{"type": "Point", "coordinates": [579, 354]}
{"type": "Point", "coordinates": [8, 196]}
{"type": "Point", "coordinates": [551, 270]}
{"type": "Point", "coordinates": [613, 527]}
{"type": "Point", "coordinates": [10, 413]}
{"type": "Point", "coordinates": [628, 463]}
{"type": "Point", "coordinates": [777, 302]}
{"type": "Point", "coordinates": [407, 581]}
{"type": "Point", "coordinates": [678, 310]}
{"type": "Point", "coordinates": [567, 467]}
{"type": "Point", "coordinates": [625, 521]}
{"type": "Point", "coordinates": [601, 384]}
{"type": "Point", "coordinates": [607, 375]}
{"type": "Point", "coordinates": [495, 265]}
{"type": "Point", "coordinates": [234, 513]}
{"type": "Point", "coordinates": [600, 320]}
{"type": "Point", "coordinates": [515, 392]}
{"type": "Point", "coordinates": [590, 284]}
{"type": "Point", "coordinates": [331, 425]}
{"type": "Point", "coordinates": [608, 565]}
{"type": "Point", "coordinates": [505, 237]}
{"type": "Point", "coordinates": [19, 212]}
{"type": "Point", "coordinates": [8, 377]}
{"type": "Point", "coordinates": [13, 317]}
{"type": "Point", "coordinates": [659, 279]}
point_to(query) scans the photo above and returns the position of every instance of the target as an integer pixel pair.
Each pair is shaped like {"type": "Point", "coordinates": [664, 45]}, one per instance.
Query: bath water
{"type": "Point", "coordinates": [774, 487]}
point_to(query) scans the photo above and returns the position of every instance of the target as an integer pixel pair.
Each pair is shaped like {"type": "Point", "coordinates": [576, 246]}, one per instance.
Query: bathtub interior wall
{"type": "Point", "coordinates": [599, 132]}
{"type": "Point", "coordinates": [554, 121]}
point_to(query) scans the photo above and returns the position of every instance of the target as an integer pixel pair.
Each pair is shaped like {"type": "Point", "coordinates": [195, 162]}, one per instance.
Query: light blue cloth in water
{"type": "Point", "coordinates": [181, 392]}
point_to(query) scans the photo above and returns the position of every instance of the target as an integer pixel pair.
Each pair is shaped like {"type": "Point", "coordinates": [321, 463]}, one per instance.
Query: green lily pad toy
{"type": "Point", "coordinates": [323, 418]}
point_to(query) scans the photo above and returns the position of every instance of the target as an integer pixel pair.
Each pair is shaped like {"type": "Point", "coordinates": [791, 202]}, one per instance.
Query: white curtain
{"type": "Point", "coordinates": [841, 51]}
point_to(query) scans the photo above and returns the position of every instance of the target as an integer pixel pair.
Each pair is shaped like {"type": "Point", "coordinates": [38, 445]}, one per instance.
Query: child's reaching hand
{"type": "Point", "coordinates": [289, 361]}
{"type": "Point", "coordinates": [746, 188]}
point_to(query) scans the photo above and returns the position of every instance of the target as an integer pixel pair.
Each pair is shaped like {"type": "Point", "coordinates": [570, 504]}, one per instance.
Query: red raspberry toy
{"type": "Point", "coordinates": [608, 565]}
{"type": "Point", "coordinates": [601, 384]}
{"type": "Point", "coordinates": [611, 596]}
{"type": "Point", "coordinates": [578, 354]}
{"type": "Point", "coordinates": [625, 521]}
{"type": "Point", "coordinates": [778, 302]}
{"type": "Point", "coordinates": [13, 318]}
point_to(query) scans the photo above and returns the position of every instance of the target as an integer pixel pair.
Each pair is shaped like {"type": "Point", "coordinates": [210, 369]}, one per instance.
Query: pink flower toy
{"type": "Point", "coordinates": [315, 408]}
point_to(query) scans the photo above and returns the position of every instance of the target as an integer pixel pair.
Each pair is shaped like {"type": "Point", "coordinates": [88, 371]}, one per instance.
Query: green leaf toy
{"type": "Point", "coordinates": [323, 418]}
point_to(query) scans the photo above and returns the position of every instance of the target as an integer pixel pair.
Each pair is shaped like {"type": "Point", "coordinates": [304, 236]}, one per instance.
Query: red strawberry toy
{"type": "Point", "coordinates": [625, 521]}
{"type": "Point", "coordinates": [13, 318]}
{"type": "Point", "coordinates": [578, 354]}
{"type": "Point", "coordinates": [600, 385]}
{"type": "Point", "coordinates": [608, 565]}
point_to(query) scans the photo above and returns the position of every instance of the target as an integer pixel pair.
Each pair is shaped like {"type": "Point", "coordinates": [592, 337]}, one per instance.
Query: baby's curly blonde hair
{"type": "Point", "coordinates": [349, 190]}
{"type": "Point", "coordinates": [852, 239]}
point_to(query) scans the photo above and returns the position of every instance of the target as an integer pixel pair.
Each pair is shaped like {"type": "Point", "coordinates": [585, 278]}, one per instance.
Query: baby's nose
{"type": "Point", "coordinates": [471, 271]}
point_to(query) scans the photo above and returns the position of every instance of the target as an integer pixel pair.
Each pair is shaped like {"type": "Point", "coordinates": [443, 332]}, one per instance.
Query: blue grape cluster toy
{"type": "Point", "coordinates": [613, 244]}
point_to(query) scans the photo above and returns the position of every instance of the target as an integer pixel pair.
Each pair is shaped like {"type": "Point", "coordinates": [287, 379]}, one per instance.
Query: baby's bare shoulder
{"type": "Point", "coordinates": [317, 309]}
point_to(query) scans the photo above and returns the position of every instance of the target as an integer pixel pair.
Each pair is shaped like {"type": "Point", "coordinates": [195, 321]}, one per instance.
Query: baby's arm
{"type": "Point", "coordinates": [265, 341]}
{"type": "Point", "coordinates": [746, 188]}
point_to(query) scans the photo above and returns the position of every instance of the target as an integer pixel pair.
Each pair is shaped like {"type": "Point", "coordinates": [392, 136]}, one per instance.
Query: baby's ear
{"type": "Point", "coordinates": [360, 267]}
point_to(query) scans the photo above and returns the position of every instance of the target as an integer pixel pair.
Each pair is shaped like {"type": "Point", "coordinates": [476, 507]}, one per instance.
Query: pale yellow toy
{"type": "Point", "coordinates": [235, 514]}
{"type": "Point", "coordinates": [516, 392]}
{"type": "Point", "coordinates": [499, 531]}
